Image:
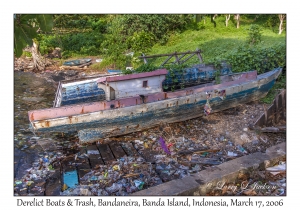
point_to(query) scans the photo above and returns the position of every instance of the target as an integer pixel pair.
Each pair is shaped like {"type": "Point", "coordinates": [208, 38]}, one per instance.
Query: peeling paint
{"type": "Point", "coordinates": [177, 107]}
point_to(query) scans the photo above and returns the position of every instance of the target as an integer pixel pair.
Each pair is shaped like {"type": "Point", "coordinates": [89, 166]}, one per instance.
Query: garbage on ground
{"type": "Point", "coordinates": [163, 145]}
{"type": "Point", "coordinates": [231, 154]}
{"type": "Point", "coordinates": [280, 167]}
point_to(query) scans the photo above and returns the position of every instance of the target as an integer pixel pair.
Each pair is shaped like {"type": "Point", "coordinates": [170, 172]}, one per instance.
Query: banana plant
{"type": "Point", "coordinates": [26, 27]}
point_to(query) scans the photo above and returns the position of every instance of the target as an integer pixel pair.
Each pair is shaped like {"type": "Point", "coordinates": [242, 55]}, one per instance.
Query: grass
{"type": "Point", "coordinates": [214, 42]}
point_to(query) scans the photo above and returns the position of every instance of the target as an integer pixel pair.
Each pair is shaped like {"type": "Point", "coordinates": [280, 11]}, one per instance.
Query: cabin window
{"type": "Point", "coordinates": [145, 83]}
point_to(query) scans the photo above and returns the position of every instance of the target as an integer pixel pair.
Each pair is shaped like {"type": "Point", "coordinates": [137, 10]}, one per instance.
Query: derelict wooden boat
{"type": "Point", "coordinates": [137, 101]}
{"type": "Point", "coordinates": [77, 62]}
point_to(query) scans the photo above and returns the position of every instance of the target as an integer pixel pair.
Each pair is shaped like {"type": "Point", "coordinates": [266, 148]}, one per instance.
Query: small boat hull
{"type": "Point", "coordinates": [77, 62]}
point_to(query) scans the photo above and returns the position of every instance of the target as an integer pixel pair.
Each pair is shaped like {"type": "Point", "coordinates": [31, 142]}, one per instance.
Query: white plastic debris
{"type": "Point", "coordinates": [231, 154]}
{"type": "Point", "coordinates": [281, 167]}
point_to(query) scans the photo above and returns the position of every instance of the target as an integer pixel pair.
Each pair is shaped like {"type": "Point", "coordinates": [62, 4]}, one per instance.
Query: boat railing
{"type": "Point", "coordinates": [57, 100]}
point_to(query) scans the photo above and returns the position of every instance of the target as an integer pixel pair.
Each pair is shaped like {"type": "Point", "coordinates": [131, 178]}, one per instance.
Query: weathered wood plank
{"type": "Point", "coordinates": [146, 153]}
{"type": "Point", "coordinates": [129, 149]}
{"type": "Point", "coordinates": [83, 164]}
{"type": "Point", "coordinates": [68, 164]}
{"type": "Point", "coordinates": [117, 150]}
{"type": "Point", "coordinates": [106, 153]}
{"type": "Point", "coordinates": [53, 184]}
{"type": "Point", "coordinates": [274, 113]}
{"type": "Point", "coordinates": [94, 156]}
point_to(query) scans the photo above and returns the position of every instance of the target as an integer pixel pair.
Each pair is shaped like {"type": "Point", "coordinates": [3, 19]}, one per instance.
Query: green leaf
{"type": "Point", "coordinates": [26, 17]}
{"type": "Point", "coordinates": [19, 42]}
{"type": "Point", "coordinates": [45, 22]}
{"type": "Point", "coordinates": [27, 33]}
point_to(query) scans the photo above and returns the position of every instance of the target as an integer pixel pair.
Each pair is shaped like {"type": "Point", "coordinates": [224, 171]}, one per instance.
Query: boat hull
{"type": "Point", "coordinates": [114, 122]}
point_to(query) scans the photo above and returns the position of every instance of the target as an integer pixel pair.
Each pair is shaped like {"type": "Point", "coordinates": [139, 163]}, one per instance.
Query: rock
{"type": "Point", "coordinates": [205, 131]}
{"type": "Point", "coordinates": [85, 192]}
{"type": "Point", "coordinates": [245, 129]}
{"type": "Point", "coordinates": [71, 72]}
{"type": "Point", "coordinates": [245, 138]}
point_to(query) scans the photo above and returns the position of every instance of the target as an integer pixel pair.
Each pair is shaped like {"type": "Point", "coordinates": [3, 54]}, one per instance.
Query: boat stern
{"type": "Point", "coordinates": [278, 72]}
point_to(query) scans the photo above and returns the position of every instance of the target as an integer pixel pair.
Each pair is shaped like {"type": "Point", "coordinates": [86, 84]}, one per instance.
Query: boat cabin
{"type": "Point", "coordinates": [124, 86]}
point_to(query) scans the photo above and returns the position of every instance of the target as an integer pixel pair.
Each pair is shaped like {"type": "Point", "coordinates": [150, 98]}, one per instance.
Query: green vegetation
{"type": "Point", "coordinates": [280, 84]}
{"type": "Point", "coordinates": [25, 29]}
{"type": "Point", "coordinates": [256, 44]}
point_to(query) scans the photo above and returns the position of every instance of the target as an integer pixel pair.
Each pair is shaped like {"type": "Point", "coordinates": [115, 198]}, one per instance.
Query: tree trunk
{"type": "Point", "coordinates": [281, 18]}
{"type": "Point", "coordinates": [212, 19]}
{"type": "Point", "coordinates": [198, 18]}
{"type": "Point", "coordinates": [227, 19]}
{"type": "Point", "coordinates": [39, 62]}
{"type": "Point", "coordinates": [237, 17]}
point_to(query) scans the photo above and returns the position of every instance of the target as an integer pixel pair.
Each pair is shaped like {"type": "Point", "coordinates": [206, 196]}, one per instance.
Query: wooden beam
{"type": "Point", "coordinates": [166, 60]}
{"type": "Point", "coordinates": [171, 54]}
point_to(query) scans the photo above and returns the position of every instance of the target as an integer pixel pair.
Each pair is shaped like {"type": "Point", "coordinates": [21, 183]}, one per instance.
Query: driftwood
{"type": "Point", "coordinates": [206, 161]}
{"type": "Point", "coordinates": [197, 151]}
{"type": "Point", "coordinates": [277, 129]}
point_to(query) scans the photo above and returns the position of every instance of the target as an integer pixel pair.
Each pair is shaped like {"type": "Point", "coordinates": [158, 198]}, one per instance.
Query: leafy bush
{"type": "Point", "coordinates": [99, 26]}
{"type": "Point", "coordinates": [261, 59]}
{"type": "Point", "coordinates": [146, 68]}
{"type": "Point", "coordinates": [159, 25]}
{"type": "Point", "coordinates": [141, 42]}
{"type": "Point", "coordinates": [82, 21]}
{"type": "Point", "coordinates": [114, 46]}
{"type": "Point", "coordinates": [254, 34]}
{"type": "Point", "coordinates": [78, 43]}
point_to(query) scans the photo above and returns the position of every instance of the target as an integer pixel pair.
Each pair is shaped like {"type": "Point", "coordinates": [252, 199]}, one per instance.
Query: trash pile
{"type": "Point", "coordinates": [33, 182]}
{"type": "Point", "coordinates": [121, 177]}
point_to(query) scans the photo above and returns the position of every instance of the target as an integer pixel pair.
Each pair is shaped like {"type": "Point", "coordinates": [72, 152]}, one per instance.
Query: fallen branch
{"type": "Point", "coordinates": [273, 129]}
{"type": "Point", "coordinates": [197, 151]}
{"type": "Point", "coordinates": [207, 161]}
